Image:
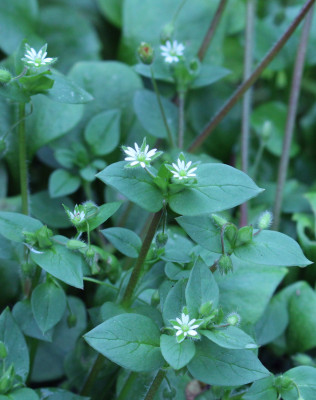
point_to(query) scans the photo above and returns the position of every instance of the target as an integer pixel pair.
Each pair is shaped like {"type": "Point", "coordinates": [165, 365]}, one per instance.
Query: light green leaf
{"type": "Point", "coordinates": [178, 355]}
{"type": "Point", "coordinates": [104, 213]}
{"type": "Point", "coordinates": [230, 337]}
{"type": "Point", "coordinates": [272, 248]}
{"type": "Point", "coordinates": [219, 187]}
{"type": "Point", "coordinates": [305, 379]}
{"type": "Point", "coordinates": [62, 183]}
{"type": "Point", "coordinates": [130, 340]}
{"type": "Point", "coordinates": [262, 390]}
{"type": "Point", "coordinates": [134, 183]}
{"type": "Point", "coordinates": [48, 305]}
{"type": "Point", "coordinates": [201, 288]}
{"type": "Point", "coordinates": [174, 302]}
{"type": "Point", "coordinates": [125, 240]}
{"type": "Point", "coordinates": [61, 263]}
{"type": "Point", "coordinates": [215, 365]}
{"type": "Point", "coordinates": [12, 225]}
{"type": "Point", "coordinates": [23, 394]}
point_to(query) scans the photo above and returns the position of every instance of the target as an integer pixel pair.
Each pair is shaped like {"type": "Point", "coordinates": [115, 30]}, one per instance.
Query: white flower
{"type": "Point", "coordinates": [140, 155]}
{"type": "Point", "coordinates": [185, 327]}
{"type": "Point", "coordinates": [172, 51]}
{"type": "Point", "coordinates": [77, 216]}
{"type": "Point", "coordinates": [37, 59]}
{"type": "Point", "coordinates": [182, 170]}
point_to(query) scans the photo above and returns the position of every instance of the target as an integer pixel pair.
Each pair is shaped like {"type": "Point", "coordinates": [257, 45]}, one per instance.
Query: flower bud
{"type": "Point", "coordinates": [5, 76]}
{"type": "Point", "coordinates": [231, 231]}
{"type": "Point", "coordinates": [219, 221]}
{"type": "Point", "coordinates": [167, 32]}
{"type": "Point", "coordinates": [283, 382]}
{"type": "Point", "coordinates": [225, 264]}
{"type": "Point", "coordinates": [265, 220]}
{"type": "Point", "coordinates": [7, 380]}
{"type": "Point", "coordinates": [74, 244]}
{"type": "Point", "coordinates": [266, 130]}
{"type": "Point", "coordinates": [146, 53]}
{"type": "Point", "coordinates": [206, 308]}
{"type": "Point", "coordinates": [244, 235]}
{"type": "Point", "coordinates": [43, 236]}
{"type": "Point", "coordinates": [161, 239]}
{"type": "Point", "coordinates": [71, 320]}
{"type": "Point", "coordinates": [3, 351]}
{"type": "Point", "coordinates": [233, 319]}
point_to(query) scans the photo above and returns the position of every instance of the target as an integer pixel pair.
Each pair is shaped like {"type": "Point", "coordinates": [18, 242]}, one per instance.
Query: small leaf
{"type": "Point", "coordinates": [12, 225]}
{"type": "Point", "coordinates": [130, 340]}
{"type": "Point", "coordinates": [178, 355]}
{"type": "Point", "coordinates": [104, 213]}
{"type": "Point", "coordinates": [262, 390]}
{"type": "Point", "coordinates": [62, 183]}
{"type": "Point", "coordinates": [230, 337]}
{"type": "Point", "coordinates": [125, 240]}
{"type": "Point", "coordinates": [23, 394]}
{"type": "Point", "coordinates": [174, 303]}
{"type": "Point", "coordinates": [305, 379]}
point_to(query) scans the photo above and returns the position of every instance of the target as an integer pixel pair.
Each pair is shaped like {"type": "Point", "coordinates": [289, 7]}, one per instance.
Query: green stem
{"type": "Point", "coordinates": [251, 80]}
{"type": "Point", "coordinates": [178, 11]}
{"type": "Point", "coordinates": [136, 274]}
{"type": "Point", "coordinates": [246, 109]}
{"type": "Point", "coordinates": [291, 116]}
{"type": "Point", "coordinates": [155, 385]}
{"type": "Point", "coordinates": [22, 160]}
{"type": "Point", "coordinates": [155, 86]}
{"type": "Point", "coordinates": [86, 390]}
{"type": "Point", "coordinates": [181, 97]}
{"type": "Point", "coordinates": [258, 159]}
{"type": "Point", "coordinates": [126, 390]}
{"type": "Point", "coordinates": [211, 30]}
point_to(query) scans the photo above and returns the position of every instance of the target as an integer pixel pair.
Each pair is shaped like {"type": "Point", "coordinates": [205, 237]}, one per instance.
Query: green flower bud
{"type": "Point", "coordinates": [74, 244]}
{"type": "Point", "coordinates": [146, 53]}
{"type": "Point", "coordinates": [206, 308]}
{"type": "Point", "coordinates": [3, 351]}
{"type": "Point", "coordinates": [7, 380]}
{"type": "Point", "coordinates": [265, 220]}
{"type": "Point", "coordinates": [5, 76]}
{"type": "Point", "coordinates": [231, 231]}
{"type": "Point", "coordinates": [161, 239]}
{"type": "Point", "coordinates": [266, 130]}
{"type": "Point", "coordinates": [71, 320]}
{"type": "Point", "coordinates": [225, 264]}
{"type": "Point", "coordinates": [43, 236]}
{"type": "Point", "coordinates": [167, 32]}
{"type": "Point", "coordinates": [219, 221]}
{"type": "Point", "coordinates": [90, 253]}
{"type": "Point", "coordinates": [233, 319]}
{"type": "Point", "coordinates": [283, 382]}
{"type": "Point", "coordinates": [244, 235]}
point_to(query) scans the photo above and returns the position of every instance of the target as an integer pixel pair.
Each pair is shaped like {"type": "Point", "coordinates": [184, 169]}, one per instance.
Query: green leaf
{"type": "Point", "coordinates": [48, 305]}
{"type": "Point", "coordinates": [148, 113]}
{"type": "Point", "coordinates": [177, 249]}
{"type": "Point", "coordinates": [104, 213]}
{"type": "Point", "coordinates": [215, 365]}
{"type": "Point", "coordinates": [175, 272]}
{"type": "Point", "coordinates": [23, 394]}
{"type": "Point", "coordinates": [134, 183]}
{"type": "Point", "coordinates": [201, 288]}
{"type": "Point", "coordinates": [125, 240]}
{"type": "Point", "coordinates": [178, 355]}
{"type": "Point", "coordinates": [103, 132]}
{"type": "Point", "coordinates": [174, 302]}
{"type": "Point", "coordinates": [112, 9]}
{"type": "Point", "coordinates": [219, 187]}
{"type": "Point", "coordinates": [262, 390]}
{"type": "Point", "coordinates": [230, 338]}
{"type": "Point", "coordinates": [54, 393]}
{"type": "Point", "coordinates": [130, 340]}
{"type": "Point", "coordinates": [272, 248]}
{"type": "Point", "coordinates": [305, 379]}
{"type": "Point", "coordinates": [14, 341]}
{"type": "Point", "coordinates": [61, 263]}
{"type": "Point", "coordinates": [62, 182]}
{"type": "Point", "coordinates": [12, 225]}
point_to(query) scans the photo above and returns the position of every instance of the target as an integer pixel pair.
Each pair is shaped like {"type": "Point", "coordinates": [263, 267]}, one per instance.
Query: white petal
{"type": "Point", "coordinates": [179, 321]}
{"type": "Point", "coordinates": [151, 153]}
{"type": "Point", "coordinates": [142, 164]}
{"type": "Point", "coordinates": [192, 170]}
{"type": "Point", "coordinates": [136, 147]}
{"type": "Point", "coordinates": [134, 163]}
{"type": "Point", "coordinates": [130, 159]}
{"type": "Point", "coordinates": [194, 327]}
{"type": "Point", "coordinates": [177, 327]}
{"type": "Point", "coordinates": [188, 165]}
{"type": "Point", "coordinates": [178, 333]}
{"type": "Point", "coordinates": [192, 333]}
{"type": "Point", "coordinates": [185, 318]}
{"type": "Point", "coordinates": [192, 321]}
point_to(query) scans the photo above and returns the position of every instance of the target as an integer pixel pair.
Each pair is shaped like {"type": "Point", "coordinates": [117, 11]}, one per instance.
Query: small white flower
{"type": "Point", "coordinates": [140, 155]}
{"type": "Point", "coordinates": [185, 328]}
{"type": "Point", "coordinates": [77, 216]}
{"type": "Point", "coordinates": [182, 170]}
{"type": "Point", "coordinates": [37, 59]}
{"type": "Point", "coordinates": [172, 51]}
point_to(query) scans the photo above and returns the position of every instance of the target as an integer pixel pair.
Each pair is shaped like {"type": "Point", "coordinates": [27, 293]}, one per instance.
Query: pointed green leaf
{"type": "Point", "coordinates": [104, 213]}
{"type": "Point", "coordinates": [230, 337]}
{"type": "Point", "coordinates": [125, 240]}
{"type": "Point", "coordinates": [262, 390]}
{"type": "Point", "coordinates": [12, 225]}
{"type": "Point", "coordinates": [305, 379]}
{"type": "Point", "coordinates": [174, 303]}
{"type": "Point", "coordinates": [178, 355]}
{"type": "Point", "coordinates": [62, 182]}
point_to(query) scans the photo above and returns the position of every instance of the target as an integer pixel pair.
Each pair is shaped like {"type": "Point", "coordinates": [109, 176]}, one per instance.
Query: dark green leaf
{"type": "Point", "coordinates": [178, 355]}
{"type": "Point", "coordinates": [174, 302]}
{"type": "Point", "coordinates": [305, 379]}
{"type": "Point", "coordinates": [262, 390]}
{"type": "Point", "coordinates": [12, 225]}
{"type": "Point", "coordinates": [62, 182]}
{"type": "Point", "coordinates": [125, 240]}
{"type": "Point", "coordinates": [230, 338]}
{"type": "Point", "coordinates": [104, 213]}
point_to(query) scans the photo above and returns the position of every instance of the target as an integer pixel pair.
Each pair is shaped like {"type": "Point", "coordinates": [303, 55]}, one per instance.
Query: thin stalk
{"type": "Point", "coordinates": [92, 375]}
{"type": "Point", "coordinates": [155, 385]}
{"type": "Point", "coordinates": [246, 108]}
{"type": "Point", "coordinates": [258, 159]}
{"type": "Point", "coordinates": [178, 11]}
{"type": "Point", "coordinates": [126, 390]}
{"type": "Point", "coordinates": [134, 278]}
{"type": "Point", "coordinates": [211, 30]}
{"type": "Point", "coordinates": [22, 160]}
{"type": "Point", "coordinates": [251, 80]}
{"type": "Point", "coordinates": [291, 116]}
{"type": "Point", "coordinates": [164, 118]}
{"type": "Point", "coordinates": [181, 119]}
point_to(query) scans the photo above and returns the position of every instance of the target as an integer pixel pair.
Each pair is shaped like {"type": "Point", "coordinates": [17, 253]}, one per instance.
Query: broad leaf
{"type": "Point", "coordinates": [178, 355]}
{"type": "Point", "coordinates": [305, 379]}
{"type": "Point", "coordinates": [125, 240]}
{"type": "Point", "coordinates": [215, 365]}
{"type": "Point", "coordinates": [12, 225]}
{"type": "Point", "coordinates": [62, 183]}
{"type": "Point", "coordinates": [174, 302]}
{"type": "Point", "coordinates": [130, 340]}
{"type": "Point", "coordinates": [23, 394]}
{"type": "Point", "coordinates": [230, 338]}
{"type": "Point", "coordinates": [262, 390]}
{"type": "Point", "coordinates": [104, 213]}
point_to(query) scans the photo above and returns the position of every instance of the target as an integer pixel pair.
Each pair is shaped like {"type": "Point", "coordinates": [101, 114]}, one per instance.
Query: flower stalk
{"type": "Point", "coordinates": [22, 160]}
{"type": "Point", "coordinates": [155, 385]}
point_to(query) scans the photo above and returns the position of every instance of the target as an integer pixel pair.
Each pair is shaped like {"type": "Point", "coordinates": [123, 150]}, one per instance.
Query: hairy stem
{"type": "Point", "coordinates": [211, 30]}
{"type": "Point", "coordinates": [181, 119]}
{"type": "Point", "coordinates": [164, 118]}
{"type": "Point", "coordinates": [291, 116]}
{"type": "Point", "coordinates": [251, 80]}
{"type": "Point", "coordinates": [155, 385]}
{"type": "Point", "coordinates": [246, 108]}
{"type": "Point", "coordinates": [22, 160]}
{"type": "Point", "coordinates": [128, 295]}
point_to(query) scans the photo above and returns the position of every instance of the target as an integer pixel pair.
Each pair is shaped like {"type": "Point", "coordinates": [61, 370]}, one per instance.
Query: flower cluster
{"type": "Point", "coordinates": [185, 328]}
{"type": "Point", "coordinates": [37, 59]}
{"type": "Point", "coordinates": [183, 170]}
{"type": "Point", "coordinates": [172, 52]}
{"type": "Point", "coordinates": [140, 156]}
{"type": "Point", "coordinates": [77, 216]}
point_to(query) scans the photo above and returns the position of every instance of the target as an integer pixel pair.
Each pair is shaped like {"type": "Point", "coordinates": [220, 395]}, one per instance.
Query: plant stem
{"type": "Point", "coordinates": [126, 389]}
{"type": "Point", "coordinates": [246, 109]}
{"type": "Point", "coordinates": [291, 116]}
{"type": "Point", "coordinates": [178, 11]}
{"type": "Point", "coordinates": [211, 30]}
{"type": "Point", "coordinates": [155, 86]}
{"type": "Point", "coordinates": [92, 375]}
{"type": "Point", "coordinates": [258, 159]}
{"type": "Point", "coordinates": [251, 80]}
{"type": "Point", "coordinates": [22, 160]}
{"type": "Point", "coordinates": [181, 119]}
{"type": "Point", "coordinates": [141, 259]}
{"type": "Point", "coordinates": [155, 385]}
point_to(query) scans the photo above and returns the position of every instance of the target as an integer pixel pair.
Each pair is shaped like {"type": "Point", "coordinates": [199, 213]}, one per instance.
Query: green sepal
{"type": "Point", "coordinates": [244, 236]}
{"type": "Point", "coordinates": [34, 84]}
